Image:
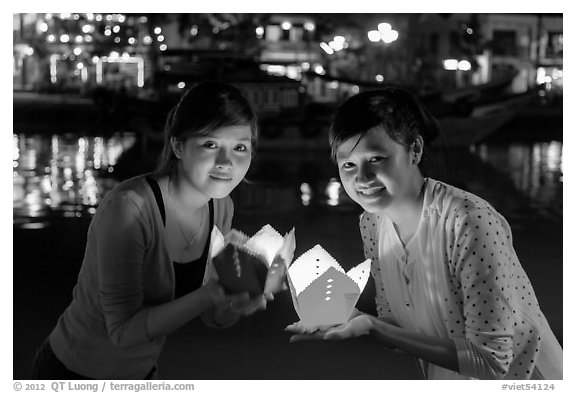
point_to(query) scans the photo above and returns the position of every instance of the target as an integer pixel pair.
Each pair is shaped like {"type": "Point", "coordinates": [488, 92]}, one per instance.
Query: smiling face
{"type": "Point", "coordinates": [215, 164]}
{"type": "Point", "coordinates": [377, 172]}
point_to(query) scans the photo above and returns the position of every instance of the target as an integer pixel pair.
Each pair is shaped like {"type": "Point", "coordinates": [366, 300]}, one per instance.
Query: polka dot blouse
{"type": "Point", "coordinates": [459, 278]}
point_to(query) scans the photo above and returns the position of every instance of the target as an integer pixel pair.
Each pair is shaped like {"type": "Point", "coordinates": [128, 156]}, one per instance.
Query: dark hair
{"type": "Point", "coordinates": [396, 109]}
{"type": "Point", "coordinates": [203, 109]}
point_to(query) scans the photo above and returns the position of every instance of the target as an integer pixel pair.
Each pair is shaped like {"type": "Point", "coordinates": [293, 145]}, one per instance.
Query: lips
{"type": "Point", "coordinates": [220, 176]}
{"type": "Point", "coordinates": [371, 192]}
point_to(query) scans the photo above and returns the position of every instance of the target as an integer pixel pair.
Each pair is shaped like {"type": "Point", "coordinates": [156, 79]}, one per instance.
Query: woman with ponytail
{"type": "Point", "coordinates": [450, 289]}
{"type": "Point", "coordinates": [143, 274]}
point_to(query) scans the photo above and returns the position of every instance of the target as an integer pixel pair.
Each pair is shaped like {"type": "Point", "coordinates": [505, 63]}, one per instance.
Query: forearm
{"type": "Point", "coordinates": [436, 350]}
{"type": "Point", "coordinates": [166, 318]}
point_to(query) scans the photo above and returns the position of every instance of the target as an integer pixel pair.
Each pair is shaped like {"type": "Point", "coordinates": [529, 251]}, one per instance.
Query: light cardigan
{"type": "Point", "coordinates": [459, 278]}
{"type": "Point", "coordinates": [126, 269]}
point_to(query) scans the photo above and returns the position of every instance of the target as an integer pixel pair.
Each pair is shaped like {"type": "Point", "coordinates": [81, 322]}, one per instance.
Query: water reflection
{"type": "Point", "coordinates": [63, 173]}
{"type": "Point", "coordinates": [70, 175]}
{"type": "Point", "coordinates": [535, 169]}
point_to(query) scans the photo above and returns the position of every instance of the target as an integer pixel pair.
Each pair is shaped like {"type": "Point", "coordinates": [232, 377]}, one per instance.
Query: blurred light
{"type": "Point", "coordinates": [326, 48]}
{"type": "Point", "coordinates": [131, 40]}
{"type": "Point", "coordinates": [464, 65]}
{"type": "Point", "coordinates": [333, 192]}
{"type": "Point", "coordinates": [305, 66]}
{"type": "Point", "coordinates": [260, 31]}
{"type": "Point", "coordinates": [540, 75]}
{"type": "Point", "coordinates": [107, 32]}
{"type": "Point", "coordinates": [286, 25]}
{"type": "Point", "coordinates": [340, 40]}
{"type": "Point", "coordinates": [117, 40]}
{"type": "Point", "coordinates": [121, 18]}
{"type": "Point", "coordinates": [80, 66]}
{"type": "Point", "coordinates": [309, 26]}
{"type": "Point", "coordinates": [293, 72]}
{"type": "Point", "coordinates": [64, 38]}
{"type": "Point", "coordinates": [356, 89]}
{"type": "Point", "coordinates": [163, 47]}
{"type": "Point", "coordinates": [389, 36]}
{"type": "Point", "coordinates": [469, 31]}
{"type": "Point", "coordinates": [90, 16]}
{"type": "Point", "coordinates": [53, 68]}
{"type": "Point", "coordinates": [114, 55]}
{"type": "Point", "coordinates": [147, 39]}
{"type": "Point", "coordinates": [108, 17]}
{"type": "Point", "coordinates": [306, 191]}
{"type": "Point", "coordinates": [194, 31]}
{"type": "Point", "coordinates": [374, 35]}
{"type": "Point", "coordinates": [181, 85]}
{"type": "Point", "coordinates": [319, 69]}
{"type": "Point", "coordinates": [379, 78]}
{"type": "Point", "coordinates": [77, 51]}
{"type": "Point", "coordinates": [48, 16]}
{"type": "Point", "coordinates": [87, 29]}
{"type": "Point", "coordinates": [160, 38]}
{"type": "Point", "coordinates": [116, 29]}
{"type": "Point", "coordinates": [51, 38]}
{"type": "Point", "coordinates": [88, 38]}
{"type": "Point", "coordinates": [450, 64]}
{"type": "Point", "coordinates": [79, 39]}
{"type": "Point", "coordinates": [43, 27]}
{"type": "Point", "coordinates": [157, 30]}
{"type": "Point", "coordinates": [29, 51]}
{"type": "Point", "coordinates": [384, 27]}
{"type": "Point", "coordinates": [332, 85]}
{"type": "Point", "coordinates": [98, 17]}
{"type": "Point", "coordinates": [76, 16]}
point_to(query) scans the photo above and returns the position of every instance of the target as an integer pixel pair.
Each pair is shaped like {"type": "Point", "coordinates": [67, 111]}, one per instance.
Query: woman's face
{"type": "Point", "coordinates": [216, 163]}
{"type": "Point", "coordinates": [376, 172]}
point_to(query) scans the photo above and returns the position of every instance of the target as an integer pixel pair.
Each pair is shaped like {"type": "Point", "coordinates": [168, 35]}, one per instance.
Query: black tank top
{"type": "Point", "coordinates": [188, 276]}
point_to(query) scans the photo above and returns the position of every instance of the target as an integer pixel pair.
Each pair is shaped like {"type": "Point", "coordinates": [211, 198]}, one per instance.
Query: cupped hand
{"type": "Point", "coordinates": [355, 327]}
{"type": "Point", "coordinates": [302, 331]}
{"type": "Point", "coordinates": [358, 326]}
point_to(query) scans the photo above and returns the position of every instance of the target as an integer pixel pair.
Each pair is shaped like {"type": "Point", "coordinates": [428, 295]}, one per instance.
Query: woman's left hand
{"type": "Point", "coordinates": [355, 327]}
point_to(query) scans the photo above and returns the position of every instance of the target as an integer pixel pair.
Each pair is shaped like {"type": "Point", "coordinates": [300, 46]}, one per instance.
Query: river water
{"type": "Point", "coordinates": [67, 175]}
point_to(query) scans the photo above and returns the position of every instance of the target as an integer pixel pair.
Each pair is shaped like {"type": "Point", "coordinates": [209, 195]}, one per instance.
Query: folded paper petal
{"type": "Point", "coordinates": [256, 264]}
{"type": "Point", "coordinates": [322, 293]}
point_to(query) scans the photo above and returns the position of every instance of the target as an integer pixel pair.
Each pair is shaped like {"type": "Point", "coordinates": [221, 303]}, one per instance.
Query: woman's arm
{"type": "Point", "coordinates": [210, 299]}
{"type": "Point", "coordinates": [436, 350]}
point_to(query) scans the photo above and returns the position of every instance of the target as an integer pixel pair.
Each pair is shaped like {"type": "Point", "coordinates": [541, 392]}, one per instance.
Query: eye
{"type": "Point", "coordinates": [241, 147]}
{"type": "Point", "coordinates": [348, 165]}
{"type": "Point", "coordinates": [376, 159]}
{"type": "Point", "coordinates": [209, 145]}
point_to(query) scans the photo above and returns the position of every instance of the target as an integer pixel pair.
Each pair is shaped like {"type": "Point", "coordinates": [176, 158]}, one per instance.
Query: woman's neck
{"type": "Point", "coordinates": [406, 214]}
{"type": "Point", "coordinates": [184, 193]}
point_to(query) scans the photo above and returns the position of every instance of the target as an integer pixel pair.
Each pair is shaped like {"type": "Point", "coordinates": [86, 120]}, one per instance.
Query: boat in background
{"type": "Point", "coordinates": [483, 120]}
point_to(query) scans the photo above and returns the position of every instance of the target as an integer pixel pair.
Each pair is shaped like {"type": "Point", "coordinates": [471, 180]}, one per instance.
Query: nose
{"type": "Point", "coordinates": [365, 175]}
{"type": "Point", "coordinates": [223, 160]}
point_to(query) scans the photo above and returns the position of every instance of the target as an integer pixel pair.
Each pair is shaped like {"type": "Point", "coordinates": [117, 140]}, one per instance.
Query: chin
{"type": "Point", "coordinates": [373, 207]}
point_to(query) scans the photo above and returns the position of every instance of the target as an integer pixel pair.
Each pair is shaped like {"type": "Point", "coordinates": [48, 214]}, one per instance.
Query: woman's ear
{"type": "Point", "coordinates": [177, 147]}
{"type": "Point", "coordinates": [417, 149]}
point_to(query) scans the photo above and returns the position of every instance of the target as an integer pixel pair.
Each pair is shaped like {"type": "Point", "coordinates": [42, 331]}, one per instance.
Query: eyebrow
{"type": "Point", "coordinates": [372, 149]}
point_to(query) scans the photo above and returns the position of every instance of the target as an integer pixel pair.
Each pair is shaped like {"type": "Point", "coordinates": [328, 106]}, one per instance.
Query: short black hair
{"type": "Point", "coordinates": [395, 109]}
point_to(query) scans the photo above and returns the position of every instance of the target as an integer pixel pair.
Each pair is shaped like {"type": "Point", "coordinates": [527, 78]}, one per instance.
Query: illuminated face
{"type": "Point", "coordinates": [376, 172]}
{"type": "Point", "coordinates": [214, 164]}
